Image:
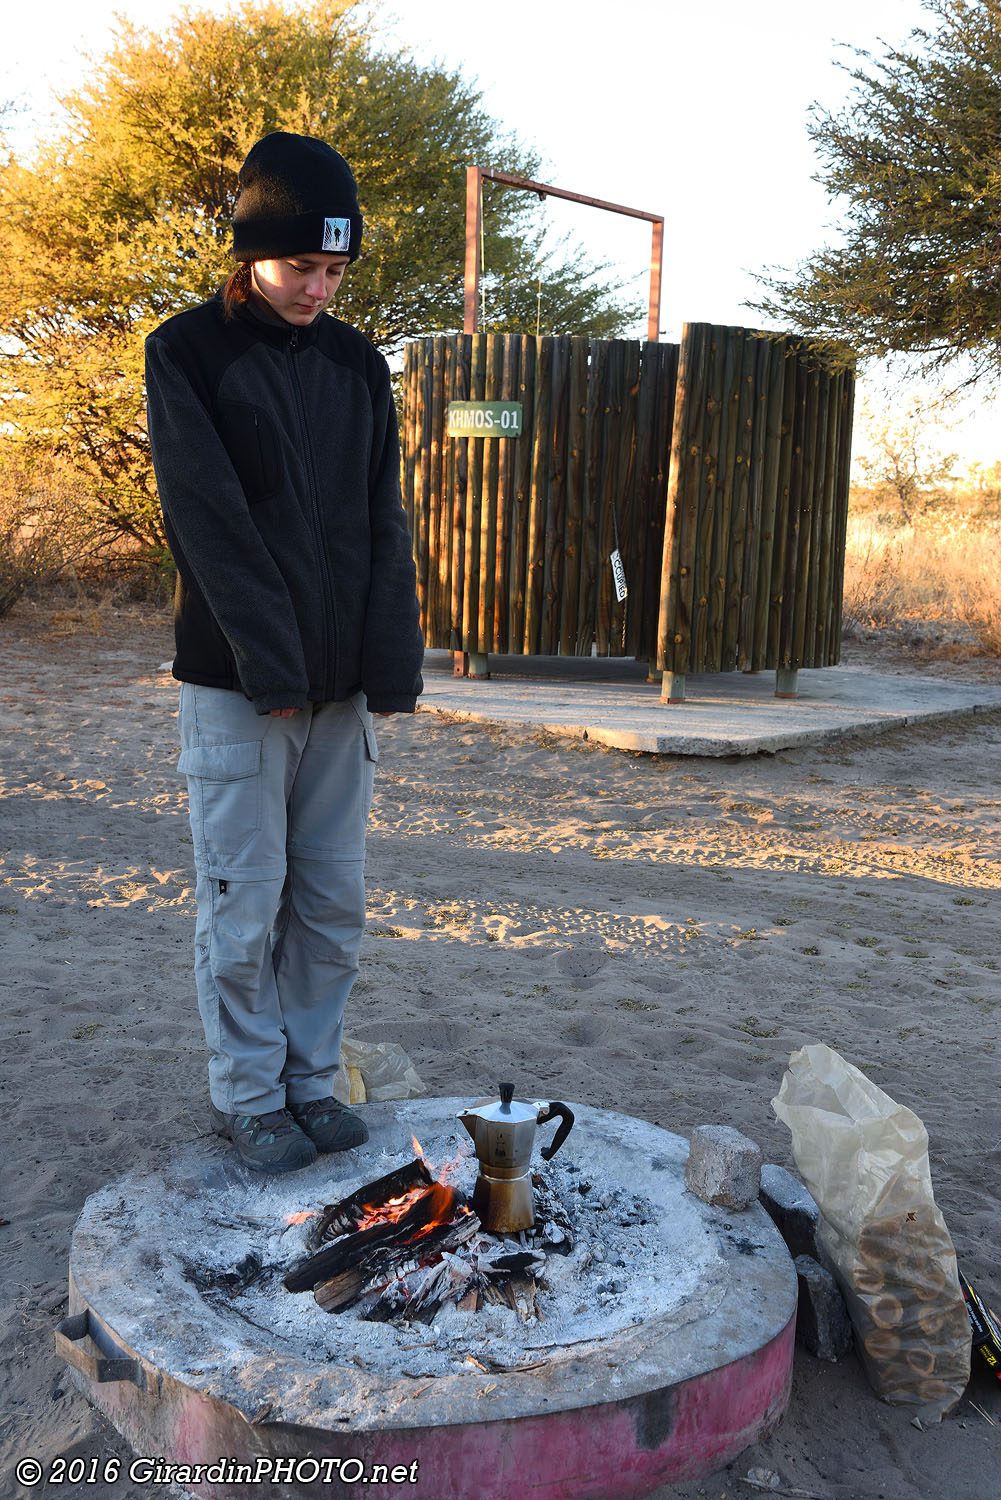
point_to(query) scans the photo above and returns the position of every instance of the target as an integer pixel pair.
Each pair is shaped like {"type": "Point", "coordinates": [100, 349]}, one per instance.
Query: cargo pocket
{"type": "Point", "coordinates": [226, 801]}
{"type": "Point", "coordinates": [365, 718]}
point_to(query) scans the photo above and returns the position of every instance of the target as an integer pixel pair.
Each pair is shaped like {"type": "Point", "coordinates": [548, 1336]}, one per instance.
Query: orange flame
{"type": "Point", "coordinates": [448, 1170]}
{"type": "Point", "coordinates": [441, 1208]}
{"type": "Point", "coordinates": [301, 1217]}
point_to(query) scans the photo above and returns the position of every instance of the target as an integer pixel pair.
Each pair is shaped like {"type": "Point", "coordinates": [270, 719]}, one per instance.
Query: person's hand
{"type": "Point", "coordinates": [283, 713]}
{"type": "Point", "coordinates": [385, 713]}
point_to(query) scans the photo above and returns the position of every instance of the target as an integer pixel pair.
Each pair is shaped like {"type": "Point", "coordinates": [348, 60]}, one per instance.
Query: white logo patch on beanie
{"type": "Point", "coordinates": [336, 235]}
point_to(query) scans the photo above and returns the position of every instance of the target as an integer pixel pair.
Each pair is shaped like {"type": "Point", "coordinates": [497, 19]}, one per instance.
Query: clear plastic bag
{"type": "Point", "coordinates": [865, 1160]}
{"type": "Point", "coordinates": [373, 1071]}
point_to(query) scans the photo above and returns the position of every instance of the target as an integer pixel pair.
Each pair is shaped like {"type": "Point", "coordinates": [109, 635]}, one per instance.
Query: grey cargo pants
{"type": "Point", "coordinates": [278, 812]}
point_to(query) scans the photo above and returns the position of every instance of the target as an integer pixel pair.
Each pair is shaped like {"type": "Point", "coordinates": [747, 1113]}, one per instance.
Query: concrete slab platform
{"type": "Point", "coordinates": [609, 700]}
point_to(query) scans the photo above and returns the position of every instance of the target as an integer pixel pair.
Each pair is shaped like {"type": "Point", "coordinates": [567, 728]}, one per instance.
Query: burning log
{"type": "Point", "coordinates": [373, 1268]}
{"type": "Point", "coordinates": [416, 1217]}
{"type": "Point", "coordinates": [352, 1212]}
{"type": "Point", "coordinates": [390, 1246]}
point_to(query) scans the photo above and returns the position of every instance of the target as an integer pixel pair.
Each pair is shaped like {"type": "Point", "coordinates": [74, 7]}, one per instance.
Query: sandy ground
{"type": "Point", "coordinates": [649, 934]}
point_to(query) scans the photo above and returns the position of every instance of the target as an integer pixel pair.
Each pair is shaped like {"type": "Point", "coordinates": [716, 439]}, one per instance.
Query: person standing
{"type": "Point", "coordinates": [275, 448]}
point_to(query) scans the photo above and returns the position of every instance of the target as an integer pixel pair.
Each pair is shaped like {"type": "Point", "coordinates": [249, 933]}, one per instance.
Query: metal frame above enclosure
{"type": "Point", "coordinates": [474, 225]}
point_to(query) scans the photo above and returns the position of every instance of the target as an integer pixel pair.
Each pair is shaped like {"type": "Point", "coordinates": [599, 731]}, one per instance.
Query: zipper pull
{"type": "Point", "coordinates": [223, 887]}
{"type": "Point", "coordinates": [293, 340]}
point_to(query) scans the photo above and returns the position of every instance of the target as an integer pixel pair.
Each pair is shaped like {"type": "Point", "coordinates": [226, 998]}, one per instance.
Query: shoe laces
{"type": "Point", "coordinates": [275, 1123]}
{"type": "Point", "coordinates": [319, 1109]}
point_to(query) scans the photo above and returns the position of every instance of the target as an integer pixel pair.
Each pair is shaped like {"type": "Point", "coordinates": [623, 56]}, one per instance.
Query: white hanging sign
{"type": "Point", "coordinates": [618, 575]}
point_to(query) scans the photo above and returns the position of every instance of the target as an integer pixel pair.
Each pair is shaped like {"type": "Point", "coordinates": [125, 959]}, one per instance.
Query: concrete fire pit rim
{"type": "Point", "coordinates": [633, 1361]}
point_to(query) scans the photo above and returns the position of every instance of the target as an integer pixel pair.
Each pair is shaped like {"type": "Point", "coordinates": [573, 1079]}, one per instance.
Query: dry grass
{"type": "Point", "coordinates": [52, 543]}
{"type": "Point", "coordinates": [941, 566]}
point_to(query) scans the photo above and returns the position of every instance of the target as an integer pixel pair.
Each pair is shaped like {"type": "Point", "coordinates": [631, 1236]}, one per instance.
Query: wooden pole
{"type": "Point", "coordinates": [816, 516]}
{"type": "Point", "coordinates": [460, 497]}
{"type": "Point", "coordinates": [752, 545]}
{"type": "Point", "coordinates": [825, 573]}
{"type": "Point", "coordinates": [769, 501]}
{"type": "Point", "coordinates": [488, 509]}
{"type": "Point", "coordinates": [625, 482]}
{"type": "Point", "coordinates": [783, 504]}
{"type": "Point", "coordinates": [553, 563]}
{"type": "Point", "coordinates": [422, 464]}
{"type": "Point", "coordinates": [610, 428]}
{"type": "Point", "coordinates": [577, 398]}
{"type": "Point", "coordinates": [505, 499]}
{"type": "Point", "coordinates": [435, 471]}
{"type": "Point", "coordinates": [707, 537]}
{"type": "Point", "coordinates": [842, 486]}
{"type": "Point", "coordinates": [521, 513]}
{"type": "Point", "coordinates": [740, 515]}
{"type": "Point", "coordinates": [667, 379]}
{"type": "Point", "coordinates": [407, 434]}
{"type": "Point", "coordinates": [445, 508]}
{"type": "Point", "coordinates": [474, 500]}
{"type": "Point", "coordinates": [674, 628]}
{"type": "Point", "coordinates": [786, 652]}
{"type": "Point", "coordinates": [733, 351]}
{"type": "Point", "coordinates": [540, 495]}
{"type": "Point", "coordinates": [806, 512]}
{"type": "Point", "coordinates": [656, 261]}
{"type": "Point", "coordinates": [643, 500]}
{"type": "Point", "coordinates": [474, 230]}
{"type": "Point", "coordinates": [587, 607]}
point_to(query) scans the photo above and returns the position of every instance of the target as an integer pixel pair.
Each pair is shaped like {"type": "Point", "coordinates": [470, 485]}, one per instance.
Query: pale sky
{"type": "Point", "coordinates": [696, 111]}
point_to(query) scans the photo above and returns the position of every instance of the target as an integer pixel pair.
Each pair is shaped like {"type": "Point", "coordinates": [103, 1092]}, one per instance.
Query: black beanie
{"type": "Point", "coordinates": [297, 196]}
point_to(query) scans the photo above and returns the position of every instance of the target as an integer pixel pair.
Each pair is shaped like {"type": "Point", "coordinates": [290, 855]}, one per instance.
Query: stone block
{"type": "Point", "coordinates": [724, 1167]}
{"type": "Point", "coordinates": [822, 1325]}
{"type": "Point", "coordinates": [792, 1210]}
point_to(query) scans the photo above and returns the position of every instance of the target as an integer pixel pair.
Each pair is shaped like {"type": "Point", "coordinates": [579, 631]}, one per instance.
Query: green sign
{"type": "Point", "coordinates": [483, 419]}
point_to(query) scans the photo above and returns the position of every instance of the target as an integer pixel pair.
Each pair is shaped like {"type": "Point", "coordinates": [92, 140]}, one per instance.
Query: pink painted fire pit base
{"type": "Point", "coordinates": [672, 1396]}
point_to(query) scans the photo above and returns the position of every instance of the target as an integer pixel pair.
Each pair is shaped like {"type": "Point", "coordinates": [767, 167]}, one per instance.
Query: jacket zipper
{"type": "Point", "coordinates": [317, 516]}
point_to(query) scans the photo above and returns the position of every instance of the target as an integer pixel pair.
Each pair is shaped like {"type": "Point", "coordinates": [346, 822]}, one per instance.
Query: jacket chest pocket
{"type": "Point", "coordinates": [250, 439]}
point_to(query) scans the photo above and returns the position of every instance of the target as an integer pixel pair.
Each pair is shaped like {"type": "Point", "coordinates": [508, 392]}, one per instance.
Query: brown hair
{"type": "Point", "coordinates": [236, 290]}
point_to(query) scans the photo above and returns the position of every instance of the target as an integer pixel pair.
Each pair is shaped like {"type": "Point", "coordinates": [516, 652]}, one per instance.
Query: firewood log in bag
{"type": "Point", "coordinates": [865, 1160]}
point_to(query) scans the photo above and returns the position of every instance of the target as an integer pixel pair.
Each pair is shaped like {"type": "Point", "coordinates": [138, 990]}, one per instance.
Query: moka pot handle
{"type": "Point", "coordinates": [566, 1125]}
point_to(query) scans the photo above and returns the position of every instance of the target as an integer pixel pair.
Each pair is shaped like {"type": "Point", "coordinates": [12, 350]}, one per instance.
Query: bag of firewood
{"type": "Point", "coordinates": [865, 1160]}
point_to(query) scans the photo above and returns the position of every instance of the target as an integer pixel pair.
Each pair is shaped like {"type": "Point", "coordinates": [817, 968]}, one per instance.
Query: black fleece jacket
{"type": "Point", "coordinates": [277, 462]}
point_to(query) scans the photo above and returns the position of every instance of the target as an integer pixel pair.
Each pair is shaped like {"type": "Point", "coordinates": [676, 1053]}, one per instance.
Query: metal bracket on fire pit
{"type": "Point", "coordinates": [69, 1335]}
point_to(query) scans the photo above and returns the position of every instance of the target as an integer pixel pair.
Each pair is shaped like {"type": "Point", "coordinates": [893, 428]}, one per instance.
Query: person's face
{"type": "Point", "coordinates": [298, 287]}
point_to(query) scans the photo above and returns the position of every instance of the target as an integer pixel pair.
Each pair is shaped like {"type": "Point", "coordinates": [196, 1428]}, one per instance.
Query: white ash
{"type": "Point", "coordinates": [627, 1264]}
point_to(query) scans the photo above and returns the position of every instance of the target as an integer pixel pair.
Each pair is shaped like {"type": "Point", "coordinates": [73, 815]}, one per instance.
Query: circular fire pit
{"type": "Point", "coordinates": [664, 1348]}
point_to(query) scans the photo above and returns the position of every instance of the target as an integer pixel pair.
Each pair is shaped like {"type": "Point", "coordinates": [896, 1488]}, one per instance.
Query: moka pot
{"type": "Point", "coordinates": [503, 1132]}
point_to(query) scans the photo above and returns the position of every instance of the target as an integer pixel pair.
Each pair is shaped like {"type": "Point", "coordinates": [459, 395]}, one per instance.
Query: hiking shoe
{"type": "Point", "coordinates": [266, 1143]}
{"type": "Point", "coordinates": [330, 1125]}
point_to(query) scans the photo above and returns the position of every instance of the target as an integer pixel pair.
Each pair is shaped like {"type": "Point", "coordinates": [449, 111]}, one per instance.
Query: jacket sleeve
{"type": "Point", "coordinates": [215, 542]}
{"type": "Point", "coordinates": [393, 647]}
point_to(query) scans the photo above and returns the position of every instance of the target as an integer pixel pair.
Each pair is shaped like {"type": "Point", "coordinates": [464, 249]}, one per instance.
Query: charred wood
{"type": "Point", "coordinates": [435, 1207]}
{"type": "Point", "coordinates": [347, 1215]}
{"type": "Point", "coordinates": [375, 1266]}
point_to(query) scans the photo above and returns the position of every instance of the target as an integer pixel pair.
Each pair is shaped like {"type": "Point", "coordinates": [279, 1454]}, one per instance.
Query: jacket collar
{"type": "Point", "coordinates": [274, 330]}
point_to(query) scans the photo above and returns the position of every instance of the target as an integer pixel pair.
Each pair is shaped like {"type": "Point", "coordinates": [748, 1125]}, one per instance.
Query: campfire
{"type": "Point", "coordinates": [407, 1245]}
{"type": "Point", "coordinates": [180, 1273]}
{"type": "Point", "coordinates": [419, 1279]}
